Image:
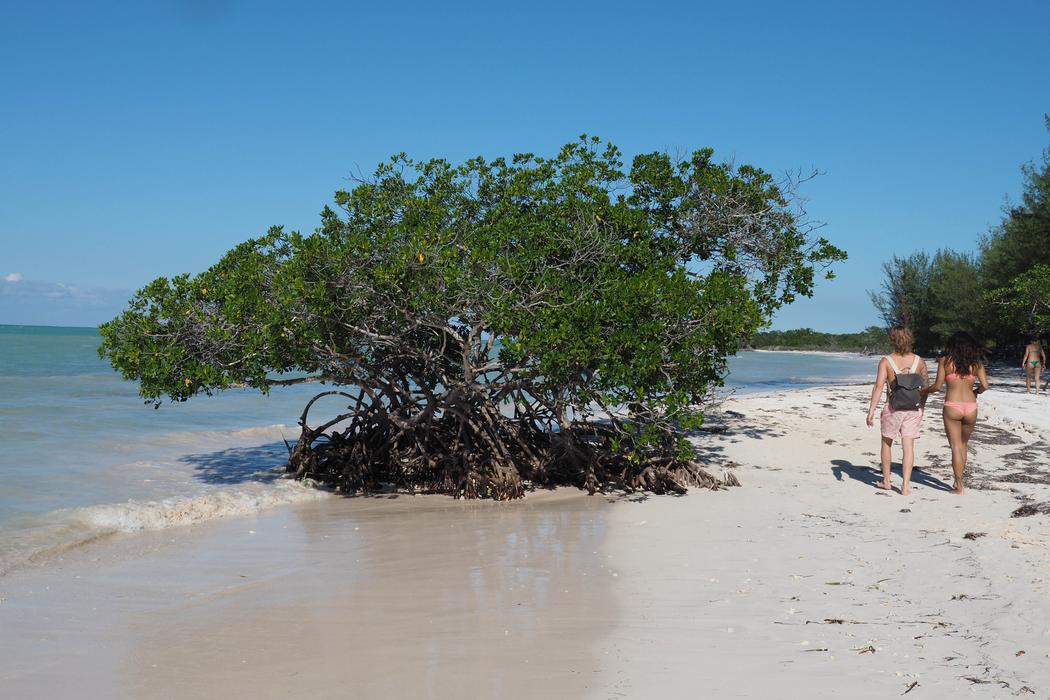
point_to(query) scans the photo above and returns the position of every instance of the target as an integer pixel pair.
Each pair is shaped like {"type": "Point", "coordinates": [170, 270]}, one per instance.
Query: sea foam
{"type": "Point", "coordinates": [70, 528]}
{"type": "Point", "coordinates": [219, 503]}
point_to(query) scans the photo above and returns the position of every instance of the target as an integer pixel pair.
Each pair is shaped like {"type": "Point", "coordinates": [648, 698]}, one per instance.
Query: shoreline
{"type": "Point", "coordinates": [796, 575]}
{"type": "Point", "coordinates": [117, 466]}
{"type": "Point", "coordinates": [211, 475]}
{"type": "Point", "coordinates": [90, 523]}
{"type": "Point", "coordinates": [829, 353]}
{"type": "Point", "coordinates": [256, 485]}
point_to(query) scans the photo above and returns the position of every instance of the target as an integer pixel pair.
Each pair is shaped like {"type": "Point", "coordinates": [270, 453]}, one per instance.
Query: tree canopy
{"type": "Point", "coordinates": [492, 324]}
{"type": "Point", "coordinates": [905, 296]}
{"type": "Point", "coordinates": [1025, 304]}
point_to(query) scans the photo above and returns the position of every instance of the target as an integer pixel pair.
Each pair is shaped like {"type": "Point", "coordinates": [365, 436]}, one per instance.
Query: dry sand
{"type": "Point", "coordinates": [810, 583]}
{"type": "Point", "coordinates": [805, 583]}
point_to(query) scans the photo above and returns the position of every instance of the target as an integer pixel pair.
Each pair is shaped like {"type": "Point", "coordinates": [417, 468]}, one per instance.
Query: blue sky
{"type": "Point", "coordinates": [145, 139]}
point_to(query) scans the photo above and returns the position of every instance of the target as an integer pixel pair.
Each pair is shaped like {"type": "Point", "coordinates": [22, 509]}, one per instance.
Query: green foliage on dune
{"type": "Point", "coordinates": [531, 319]}
{"type": "Point", "coordinates": [872, 340]}
{"type": "Point", "coordinates": [1025, 304]}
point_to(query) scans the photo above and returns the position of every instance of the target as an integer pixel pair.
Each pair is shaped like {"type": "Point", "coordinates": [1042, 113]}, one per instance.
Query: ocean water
{"type": "Point", "coordinates": [83, 456]}
{"type": "Point", "coordinates": [751, 372]}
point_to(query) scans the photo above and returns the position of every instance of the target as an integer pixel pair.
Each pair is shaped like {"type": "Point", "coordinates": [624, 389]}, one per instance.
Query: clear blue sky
{"type": "Point", "coordinates": [145, 139]}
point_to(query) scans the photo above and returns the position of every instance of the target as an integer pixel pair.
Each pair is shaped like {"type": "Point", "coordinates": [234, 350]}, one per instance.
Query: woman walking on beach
{"type": "Point", "coordinates": [905, 377]}
{"type": "Point", "coordinates": [1033, 362]}
{"type": "Point", "coordinates": [960, 366]}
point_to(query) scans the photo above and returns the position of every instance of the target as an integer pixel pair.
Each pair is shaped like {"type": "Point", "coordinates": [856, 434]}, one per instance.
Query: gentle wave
{"type": "Point", "coordinates": [193, 438]}
{"type": "Point", "coordinates": [223, 503]}
{"type": "Point", "coordinates": [70, 528]}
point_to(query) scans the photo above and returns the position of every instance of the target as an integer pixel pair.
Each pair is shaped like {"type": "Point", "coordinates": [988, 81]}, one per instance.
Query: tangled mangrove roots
{"type": "Point", "coordinates": [481, 454]}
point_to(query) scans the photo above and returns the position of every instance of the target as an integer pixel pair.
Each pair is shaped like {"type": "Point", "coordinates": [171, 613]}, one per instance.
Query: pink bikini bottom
{"type": "Point", "coordinates": [967, 407]}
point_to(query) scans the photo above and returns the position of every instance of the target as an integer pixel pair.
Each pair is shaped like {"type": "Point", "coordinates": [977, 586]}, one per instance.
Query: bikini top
{"type": "Point", "coordinates": [968, 378]}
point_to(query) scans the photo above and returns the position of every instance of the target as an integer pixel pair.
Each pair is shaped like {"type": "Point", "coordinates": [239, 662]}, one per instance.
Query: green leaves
{"type": "Point", "coordinates": [1026, 302]}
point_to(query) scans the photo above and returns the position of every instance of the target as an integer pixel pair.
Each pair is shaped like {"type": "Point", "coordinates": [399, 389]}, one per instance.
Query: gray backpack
{"type": "Point", "coordinates": [906, 388]}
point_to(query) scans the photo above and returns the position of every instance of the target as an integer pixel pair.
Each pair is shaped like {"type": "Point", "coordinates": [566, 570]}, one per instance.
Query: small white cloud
{"type": "Point", "coordinates": [38, 302]}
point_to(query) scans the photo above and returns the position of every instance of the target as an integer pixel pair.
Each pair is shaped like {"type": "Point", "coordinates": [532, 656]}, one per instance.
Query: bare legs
{"type": "Point", "coordinates": [1031, 373]}
{"type": "Point", "coordinates": [906, 465]}
{"type": "Point", "coordinates": [887, 462]}
{"type": "Point", "coordinates": [958, 427]}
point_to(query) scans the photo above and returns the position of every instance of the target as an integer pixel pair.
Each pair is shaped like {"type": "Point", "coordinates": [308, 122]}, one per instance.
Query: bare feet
{"type": "Point", "coordinates": [957, 488]}
{"type": "Point", "coordinates": [905, 490]}
{"type": "Point", "coordinates": [885, 485]}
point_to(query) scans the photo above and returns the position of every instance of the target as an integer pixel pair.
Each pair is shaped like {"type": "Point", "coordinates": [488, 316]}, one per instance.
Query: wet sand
{"type": "Point", "coordinates": [407, 597]}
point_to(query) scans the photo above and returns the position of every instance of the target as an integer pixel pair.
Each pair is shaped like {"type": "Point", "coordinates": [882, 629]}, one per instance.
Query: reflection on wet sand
{"type": "Point", "coordinates": [405, 597]}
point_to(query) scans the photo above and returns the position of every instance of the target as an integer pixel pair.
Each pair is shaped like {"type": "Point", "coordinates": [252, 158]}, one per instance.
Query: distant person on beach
{"type": "Point", "coordinates": [961, 365]}
{"type": "Point", "coordinates": [904, 374]}
{"type": "Point", "coordinates": [1033, 362]}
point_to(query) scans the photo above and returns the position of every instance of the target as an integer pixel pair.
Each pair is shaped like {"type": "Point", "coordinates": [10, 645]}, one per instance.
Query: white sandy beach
{"type": "Point", "coordinates": [805, 583]}
{"type": "Point", "coordinates": [810, 583]}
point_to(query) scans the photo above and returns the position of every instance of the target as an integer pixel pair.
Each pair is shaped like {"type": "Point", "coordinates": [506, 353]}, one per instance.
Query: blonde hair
{"type": "Point", "coordinates": [901, 339]}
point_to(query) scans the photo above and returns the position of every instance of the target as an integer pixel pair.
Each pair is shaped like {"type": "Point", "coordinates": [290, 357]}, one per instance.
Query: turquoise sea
{"type": "Point", "coordinates": [84, 456]}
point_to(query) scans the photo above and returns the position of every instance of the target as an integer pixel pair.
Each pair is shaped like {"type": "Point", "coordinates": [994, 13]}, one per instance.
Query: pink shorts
{"type": "Point", "coordinates": [904, 423]}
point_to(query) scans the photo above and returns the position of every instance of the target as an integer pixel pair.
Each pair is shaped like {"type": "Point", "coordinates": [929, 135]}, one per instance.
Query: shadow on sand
{"type": "Point", "coordinates": [872, 476]}
{"type": "Point", "coordinates": [238, 465]}
{"type": "Point", "coordinates": [262, 464]}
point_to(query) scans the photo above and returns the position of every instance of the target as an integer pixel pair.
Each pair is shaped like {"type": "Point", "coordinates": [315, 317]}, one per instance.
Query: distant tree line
{"type": "Point", "coordinates": [870, 341]}
{"type": "Point", "coordinates": [1001, 294]}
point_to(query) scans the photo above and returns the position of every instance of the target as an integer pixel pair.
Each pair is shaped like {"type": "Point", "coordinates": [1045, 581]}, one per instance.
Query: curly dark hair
{"type": "Point", "coordinates": [965, 353]}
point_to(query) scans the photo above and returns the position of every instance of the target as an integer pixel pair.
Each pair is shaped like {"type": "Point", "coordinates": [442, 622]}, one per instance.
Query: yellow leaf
{"type": "Point", "coordinates": [421, 258]}
{"type": "Point", "coordinates": [187, 381]}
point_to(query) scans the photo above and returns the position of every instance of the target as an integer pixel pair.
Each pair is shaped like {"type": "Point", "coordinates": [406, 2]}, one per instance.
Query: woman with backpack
{"type": "Point", "coordinates": [904, 374]}
{"type": "Point", "coordinates": [961, 365]}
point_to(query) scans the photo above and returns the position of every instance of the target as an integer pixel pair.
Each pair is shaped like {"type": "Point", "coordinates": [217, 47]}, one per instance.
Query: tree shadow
{"type": "Point", "coordinates": [872, 476]}
{"type": "Point", "coordinates": [730, 427]}
{"type": "Point", "coordinates": [238, 465]}
{"type": "Point", "coordinates": [263, 464]}
{"type": "Point", "coordinates": [734, 423]}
